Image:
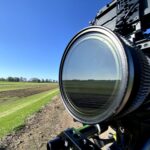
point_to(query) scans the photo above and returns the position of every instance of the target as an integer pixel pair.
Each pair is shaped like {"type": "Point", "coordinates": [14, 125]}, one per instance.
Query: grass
{"type": "Point", "coordinates": [13, 114]}
{"type": "Point", "coordinates": [7, 86]}
{"type": "Point", "coordinates": [19, 100]}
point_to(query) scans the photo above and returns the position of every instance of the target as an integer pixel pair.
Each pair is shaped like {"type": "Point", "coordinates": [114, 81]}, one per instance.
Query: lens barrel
{"type": "Point", "coordinates": [102, 75]}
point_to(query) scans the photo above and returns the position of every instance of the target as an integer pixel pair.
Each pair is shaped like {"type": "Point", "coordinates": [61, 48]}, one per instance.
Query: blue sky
{"type": "Point", "coordinates": [34, 33]}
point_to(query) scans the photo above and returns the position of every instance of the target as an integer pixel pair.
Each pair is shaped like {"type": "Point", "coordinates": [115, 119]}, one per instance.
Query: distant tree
{"type": "Point", "coordinates": [54, 81]}
{"type": "Point", "coordinates": [46, 80]}
{"type": "Point", "coordinates": [10, 79]}
{"type": "Point", "coordinates": [39, 80]}
{"type": "Point", "coordinates": [2, 79]}
{"type": "Point", "coordinates": [36, 80]}
{"type": "Point", "coordinates": [42, 80]}
{"type": "Point", "coordinates": [16, 79]}
{"type": "Point", "coordinates": [22, 79]}
{"type": "Point", "coordinates": [50, 81]}
{"type": "Point", "coordinates": [13, 79]}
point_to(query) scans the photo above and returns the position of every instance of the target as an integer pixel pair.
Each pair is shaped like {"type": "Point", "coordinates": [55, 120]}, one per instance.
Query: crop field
{"type": "Point", "coordinates": [91, 92]}
{"type": "Point", "coordinates": [18, 100]}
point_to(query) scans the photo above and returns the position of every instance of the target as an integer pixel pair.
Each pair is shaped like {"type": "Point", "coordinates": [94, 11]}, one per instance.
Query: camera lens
{"type": "Point", "coordinates": [96, 79]}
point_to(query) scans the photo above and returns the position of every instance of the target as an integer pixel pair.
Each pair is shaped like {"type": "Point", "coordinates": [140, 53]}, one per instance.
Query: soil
{"type": "Point", "coordinates": [40, 128]}
{"type": "Point", "coordinates": [25, 92]}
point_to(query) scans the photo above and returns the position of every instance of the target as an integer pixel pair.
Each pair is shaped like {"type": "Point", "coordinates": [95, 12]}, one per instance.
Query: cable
{"type": "Point", "coordinates": [132, 8]}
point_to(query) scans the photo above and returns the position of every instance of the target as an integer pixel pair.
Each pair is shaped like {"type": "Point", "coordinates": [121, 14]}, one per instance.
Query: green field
{"type": "Point", "coordinates": [5, 86]}
{"type": "Point", "coordinates": [20, 100]}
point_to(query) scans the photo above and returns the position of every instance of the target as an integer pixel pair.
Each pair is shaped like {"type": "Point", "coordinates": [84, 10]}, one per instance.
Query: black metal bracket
{"type": "Point", "coordinates": [128, 16]}
{"type": "Point", "coordinates": [71, 139]}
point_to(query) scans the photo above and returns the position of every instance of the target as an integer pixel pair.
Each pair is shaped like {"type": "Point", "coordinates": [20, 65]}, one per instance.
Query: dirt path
{"type": "Point", "coordinates": [40, 128]}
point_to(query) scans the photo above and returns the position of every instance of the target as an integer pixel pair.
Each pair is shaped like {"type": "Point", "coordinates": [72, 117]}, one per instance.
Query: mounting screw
{"type": "Point", "coordinates": [66, 144]}
{"type": "Point", "coordinates": [122, 129]}
{"type": "Point", "coordinates": [84, 141]}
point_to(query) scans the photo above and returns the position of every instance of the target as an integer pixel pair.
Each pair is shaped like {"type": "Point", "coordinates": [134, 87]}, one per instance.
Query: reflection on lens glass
{"type": "Point", "coordinates": [91, 74]}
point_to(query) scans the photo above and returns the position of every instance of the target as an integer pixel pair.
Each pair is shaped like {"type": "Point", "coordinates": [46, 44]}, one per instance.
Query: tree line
{"type": "Point", "coordinates": [22, 79]}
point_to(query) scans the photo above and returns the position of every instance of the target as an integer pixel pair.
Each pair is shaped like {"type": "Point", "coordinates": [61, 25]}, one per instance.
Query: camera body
{"type": "Point", "coordinates": [130, 18]}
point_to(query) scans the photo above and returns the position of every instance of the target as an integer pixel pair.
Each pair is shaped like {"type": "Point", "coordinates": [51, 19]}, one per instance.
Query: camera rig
{"type": "Point", "coordinates": [129, 19]}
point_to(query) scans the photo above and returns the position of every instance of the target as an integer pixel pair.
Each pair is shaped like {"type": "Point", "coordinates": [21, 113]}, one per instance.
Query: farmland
{"type": "Point", "coordinates": [91, 92]}
{"type": "Point", "coordinates": [18, 100]}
